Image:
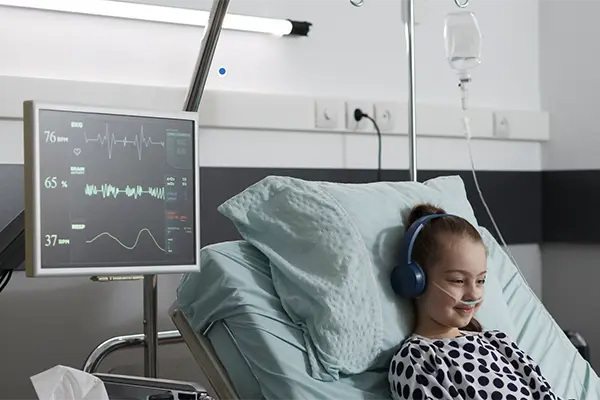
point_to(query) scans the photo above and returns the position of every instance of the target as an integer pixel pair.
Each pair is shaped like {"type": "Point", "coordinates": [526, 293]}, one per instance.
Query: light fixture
{"type": "Point", "coordinates": [170, 15]}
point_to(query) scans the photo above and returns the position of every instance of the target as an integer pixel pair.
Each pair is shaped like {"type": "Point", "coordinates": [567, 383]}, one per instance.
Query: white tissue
{"type": "Point", "coordinates": [64, 383]}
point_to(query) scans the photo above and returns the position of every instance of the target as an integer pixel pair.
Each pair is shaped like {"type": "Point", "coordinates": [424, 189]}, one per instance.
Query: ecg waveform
{"type": "Point", "coordinates": [133, 246]}
{"type": "Point", "coordinates": [139, 141]}
{"type": "Point", "coordinates": [107, 190]}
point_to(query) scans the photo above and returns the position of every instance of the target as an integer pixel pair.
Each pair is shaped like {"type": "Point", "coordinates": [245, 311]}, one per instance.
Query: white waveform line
{"type": "Point", "coordinates": [137, 239]}
{"type": "Point", "coordinates": [111, 140]}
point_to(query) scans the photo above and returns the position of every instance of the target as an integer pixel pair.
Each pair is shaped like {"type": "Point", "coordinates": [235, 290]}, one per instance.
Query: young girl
{"type": "Point", "coordinates": [449, 356]}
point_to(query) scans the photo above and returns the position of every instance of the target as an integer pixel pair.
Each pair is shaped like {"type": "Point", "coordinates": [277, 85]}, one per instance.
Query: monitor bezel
{"type": "Point", "coordinates": [33, 264]}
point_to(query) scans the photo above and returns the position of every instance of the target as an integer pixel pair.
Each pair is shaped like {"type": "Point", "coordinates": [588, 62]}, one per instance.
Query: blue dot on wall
{"type": "Point", "coordinates": [222, 71]}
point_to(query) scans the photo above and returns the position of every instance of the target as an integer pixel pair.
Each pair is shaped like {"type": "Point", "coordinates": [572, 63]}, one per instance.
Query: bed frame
{"type": "Point", "coordinates": [217, 381]}
{"type": "Point", "coordinates": [220, 386]}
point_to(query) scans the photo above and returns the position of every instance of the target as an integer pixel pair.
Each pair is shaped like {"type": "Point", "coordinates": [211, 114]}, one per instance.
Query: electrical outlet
{"type": "Point", "coordinates": [501, 125]}
{"type": "Point", "coordinates": [327, 113]}
{"type": "Point", "coordinates": [364, 124]}
{"type": "Point", "coordinates": [385, 116]}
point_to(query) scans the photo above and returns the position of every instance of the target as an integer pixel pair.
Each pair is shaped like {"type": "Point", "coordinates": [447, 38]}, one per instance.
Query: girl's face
{"type": "Point", "coordinates": [460, 275]}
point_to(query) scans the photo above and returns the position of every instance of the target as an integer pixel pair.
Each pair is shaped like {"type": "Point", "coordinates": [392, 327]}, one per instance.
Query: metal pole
{"type": "Point", "coordinates": [208, 45]}
{"type": "Point", "coordinates": [106, 348]}
{"type": "Point", "coordinates": [412, 103]}
{"type": "Point", "coordinates": [207, 51]}
{"type": "Point", "coordinates": [150, 327]}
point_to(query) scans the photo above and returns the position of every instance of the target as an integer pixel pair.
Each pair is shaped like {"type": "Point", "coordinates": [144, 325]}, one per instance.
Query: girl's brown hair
{"type": "Point", "coordinates": [429, 246]}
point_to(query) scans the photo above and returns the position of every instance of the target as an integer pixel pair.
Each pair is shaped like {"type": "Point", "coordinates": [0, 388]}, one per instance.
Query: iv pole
{"type": "Point", "coordinates": [412, 97]}
{"type": "Point", "coordinates": [412, 103]}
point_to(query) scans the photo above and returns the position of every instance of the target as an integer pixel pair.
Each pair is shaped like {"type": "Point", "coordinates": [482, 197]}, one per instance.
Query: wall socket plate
{"type": "Point", "coordinates": [501, 125]}
{"type": "Point", "coordinates": [364, 125]}
{"type": "Point", "coordinates": [385, 116]}
{"type": "Point", "coordinates": [327, 113]}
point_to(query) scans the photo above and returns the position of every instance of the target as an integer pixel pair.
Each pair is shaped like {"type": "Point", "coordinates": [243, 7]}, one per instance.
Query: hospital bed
{"type": "Point", "coordinates": [231, 318]}
{"type": "Point", "coordinates": [234, 325]}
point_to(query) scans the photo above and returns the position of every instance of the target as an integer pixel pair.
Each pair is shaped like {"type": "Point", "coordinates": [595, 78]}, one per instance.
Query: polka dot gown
{"type": "Point", "coordinates": [480, 366]}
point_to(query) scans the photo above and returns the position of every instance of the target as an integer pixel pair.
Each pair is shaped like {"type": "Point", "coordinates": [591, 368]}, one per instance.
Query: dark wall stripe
{"type": "Point", "coordinates": [570, 206]}
{"type": "Point", "coordinates": [514, 197]}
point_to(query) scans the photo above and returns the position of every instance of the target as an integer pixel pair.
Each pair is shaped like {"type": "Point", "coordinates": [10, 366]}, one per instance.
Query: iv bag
{"type": "Point", "coordinates": [463, 42]}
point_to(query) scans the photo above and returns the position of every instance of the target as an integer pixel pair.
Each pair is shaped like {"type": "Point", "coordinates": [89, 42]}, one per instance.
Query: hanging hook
{"type": "Point", "coordinates": [357, 3]}
{"type": "Point", "coordinates": [458, 3]}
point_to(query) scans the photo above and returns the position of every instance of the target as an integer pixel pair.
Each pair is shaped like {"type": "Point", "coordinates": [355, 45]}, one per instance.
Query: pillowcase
{"type": "Point", "coordinates": [332, 247]}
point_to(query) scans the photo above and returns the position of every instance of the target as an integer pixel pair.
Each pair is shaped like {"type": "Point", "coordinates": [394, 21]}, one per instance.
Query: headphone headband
{"type": "Point", "coordinates": [408, 278]}
{"type": "Point", "coordinates": [410, 237]}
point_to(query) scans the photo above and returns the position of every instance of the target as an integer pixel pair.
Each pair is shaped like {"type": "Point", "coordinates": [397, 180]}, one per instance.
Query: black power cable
{"type": "Point", "coordinates": [5, 278]}
{"type": "Point", "coordinates": [358, 115]}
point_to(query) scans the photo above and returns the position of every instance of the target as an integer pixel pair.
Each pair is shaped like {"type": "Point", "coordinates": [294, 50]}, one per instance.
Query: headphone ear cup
{"type": "Point", "coordinates": [409, 280]}
{"type": "Point", "coordinates": [420, 279]}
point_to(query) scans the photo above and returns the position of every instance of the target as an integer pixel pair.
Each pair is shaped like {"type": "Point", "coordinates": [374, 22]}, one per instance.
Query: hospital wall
{"type": "Point", "coordinates": [351, 53]}
{"type": "Point", "coordinates": [569, 84]}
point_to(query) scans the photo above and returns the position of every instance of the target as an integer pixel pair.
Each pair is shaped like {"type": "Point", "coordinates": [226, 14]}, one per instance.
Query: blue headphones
{"type": "Point", "coordinates": [408, 278]}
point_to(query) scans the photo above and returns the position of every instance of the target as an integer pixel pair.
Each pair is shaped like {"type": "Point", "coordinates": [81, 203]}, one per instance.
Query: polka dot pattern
{"type": "Point", "coordinates": [478, 366]}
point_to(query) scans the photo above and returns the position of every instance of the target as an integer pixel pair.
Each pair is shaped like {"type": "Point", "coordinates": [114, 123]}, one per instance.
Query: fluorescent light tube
{"type": "Point", "coordinates": [146, 12]}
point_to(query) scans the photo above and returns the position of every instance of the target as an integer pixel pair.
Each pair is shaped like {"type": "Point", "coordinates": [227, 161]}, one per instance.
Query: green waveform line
{"type": "Point", "coordinates": [107, 190]}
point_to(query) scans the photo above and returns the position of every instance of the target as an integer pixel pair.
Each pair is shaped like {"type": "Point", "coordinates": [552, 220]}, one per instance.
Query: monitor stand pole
{"type": "Point", "coordinates": [208, 46]}
{"type": "Point", "coordinates": [150, 326]}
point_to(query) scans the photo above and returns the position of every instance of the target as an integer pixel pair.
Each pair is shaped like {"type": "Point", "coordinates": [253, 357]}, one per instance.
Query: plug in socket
{"type": "Point", "coordinates": [364, 125]}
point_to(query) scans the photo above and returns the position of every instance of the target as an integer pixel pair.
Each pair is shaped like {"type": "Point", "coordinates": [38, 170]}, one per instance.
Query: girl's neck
{"type": "Point", "coordinates": [432, 330]}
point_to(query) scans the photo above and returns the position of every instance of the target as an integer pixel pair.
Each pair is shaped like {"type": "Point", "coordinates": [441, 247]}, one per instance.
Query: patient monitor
{"type": "Point", "coordinates": [110, 192]}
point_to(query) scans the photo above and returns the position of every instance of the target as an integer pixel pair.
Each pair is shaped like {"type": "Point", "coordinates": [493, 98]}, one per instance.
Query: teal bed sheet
{"type": "Point", "coordinates": [262, 350]}
{"type": "Point", "coordinates": [265, 355]}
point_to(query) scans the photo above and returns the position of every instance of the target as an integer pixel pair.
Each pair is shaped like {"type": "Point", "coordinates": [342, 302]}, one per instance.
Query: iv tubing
{"type": "Point", "coordinates": [467, 126]}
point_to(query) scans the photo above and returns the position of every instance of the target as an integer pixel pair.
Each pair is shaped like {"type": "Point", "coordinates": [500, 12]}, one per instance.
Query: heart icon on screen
{"type": "Point", "coordinates": [77, 151]}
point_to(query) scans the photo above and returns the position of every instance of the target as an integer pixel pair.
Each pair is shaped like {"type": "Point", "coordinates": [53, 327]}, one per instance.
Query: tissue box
{"type": "Point", "coordinates": [65, 383]}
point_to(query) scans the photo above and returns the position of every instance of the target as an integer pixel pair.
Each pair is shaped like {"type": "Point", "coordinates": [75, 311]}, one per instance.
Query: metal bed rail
{"type": "Point", "coordinates": [219, 383]}
{"type": "Point", "coordinates": [106, 348]}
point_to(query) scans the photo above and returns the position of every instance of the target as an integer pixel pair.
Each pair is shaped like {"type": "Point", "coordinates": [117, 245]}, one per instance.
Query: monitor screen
{"type": "Point", "coordinates": [110, 192]}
